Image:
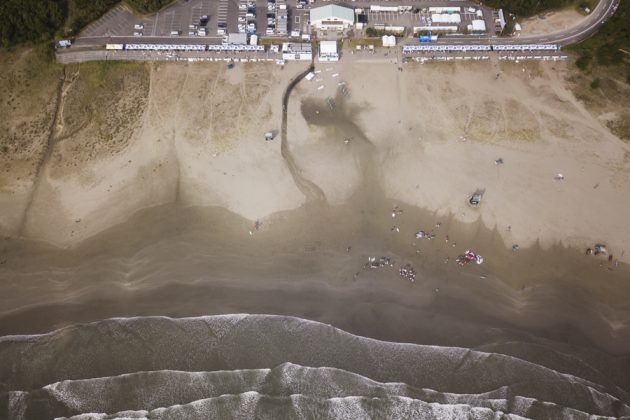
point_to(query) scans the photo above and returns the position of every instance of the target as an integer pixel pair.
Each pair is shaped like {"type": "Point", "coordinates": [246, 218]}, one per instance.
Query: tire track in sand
{"type": "Point", "coordinates": [311, 190]}
{"type": "Point", "coordinates": [56, 127]}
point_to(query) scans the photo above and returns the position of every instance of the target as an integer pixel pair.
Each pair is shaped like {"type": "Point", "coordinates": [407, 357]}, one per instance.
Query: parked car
{"type": "Point", "coordinates": [475, 198]}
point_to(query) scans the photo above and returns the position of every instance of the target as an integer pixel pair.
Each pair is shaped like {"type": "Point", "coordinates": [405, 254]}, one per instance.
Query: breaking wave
{"type": "Point", "coordinates": [268, 366]}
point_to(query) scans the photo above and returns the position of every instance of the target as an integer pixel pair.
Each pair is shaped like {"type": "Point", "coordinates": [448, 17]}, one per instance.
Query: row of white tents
{"type": "Point", "coordinates": [184, 47]}
{"type": "Point", "coordinates": [533, 57]}
{"type": "Point", "coordinates": [504, 47]}
{"type": "Point", "coordinates": [440, 47]}
{"type": "Point", "coordinates": [406, 48]}
{"type": "Point", "coordinates": [165, 47]}
{"type": "Point", "coordinates": [236, 47]}
{"type": "Point", "coordinates": [526, 47]}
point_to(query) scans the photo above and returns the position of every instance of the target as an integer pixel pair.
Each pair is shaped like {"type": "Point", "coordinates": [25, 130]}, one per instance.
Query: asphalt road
{"type": "Point", "coordinates": [587, 28]}
{"type": "Point", "coordinates": [584, 30]}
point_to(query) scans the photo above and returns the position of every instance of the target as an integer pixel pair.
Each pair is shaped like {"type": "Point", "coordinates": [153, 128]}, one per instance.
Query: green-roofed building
{"type": "Point", "coordinates": [332, 17]}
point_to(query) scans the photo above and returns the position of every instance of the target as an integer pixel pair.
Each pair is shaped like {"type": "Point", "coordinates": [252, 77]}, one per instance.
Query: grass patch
{"type": "Point", "coordinates": [596, 83]}
{"type": "Point", "coordinates": [28, 82]}
{"type": "Point", "coordinates": [102, 110]}
{"type": "Point", "coordinates": [621, 127]}
{"type": "Point", "coordinates": [526, 8]}
{"type": "Point", "coordinates": [99, 73]}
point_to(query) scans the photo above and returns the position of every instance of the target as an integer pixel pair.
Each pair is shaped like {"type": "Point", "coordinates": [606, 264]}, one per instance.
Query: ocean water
{"type": "Point", "coordinates": [266, 366]}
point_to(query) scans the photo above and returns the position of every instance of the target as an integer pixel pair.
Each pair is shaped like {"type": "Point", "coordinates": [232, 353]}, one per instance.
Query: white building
{"type": "Point", "coordinates": [293, 51]}
{"type": "Point", "coordinates": [478, 25]}
{"type": "Point", "coordinates": [328, 51]}
{"type": "Point", "coordinates": [332, 17]}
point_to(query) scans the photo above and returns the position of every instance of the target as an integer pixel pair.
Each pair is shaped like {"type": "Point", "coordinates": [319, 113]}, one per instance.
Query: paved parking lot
{"type": "Point", "coordinates": [119, 22]}
{"type": "Point", "coordinates": [421, 18]}
{"type": "Point", "coordinates": [407, 19]}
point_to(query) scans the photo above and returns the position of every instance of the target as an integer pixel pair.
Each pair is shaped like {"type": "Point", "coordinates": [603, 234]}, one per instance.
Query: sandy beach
{"type": "Point", "coordinates": [432, 133]}
{"type": "Point", "coordinates": [550, 22]}
{"type": "Point", "coordinates": [164, 199]}
{"type": "Point", "coordinates": [424, 137]}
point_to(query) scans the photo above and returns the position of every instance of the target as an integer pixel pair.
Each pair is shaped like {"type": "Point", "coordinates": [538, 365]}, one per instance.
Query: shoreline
{"type": "Point", "coordinates": [107, 282]}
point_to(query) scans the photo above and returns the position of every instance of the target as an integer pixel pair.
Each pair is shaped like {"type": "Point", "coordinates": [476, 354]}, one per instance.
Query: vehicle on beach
{"type": "Point", "coordinates": [475, 198]}
{"type": "Point", "coordinates": [469, 257]}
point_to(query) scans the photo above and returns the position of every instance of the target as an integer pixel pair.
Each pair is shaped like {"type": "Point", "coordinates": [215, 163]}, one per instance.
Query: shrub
{"type": "Point", "coordinates": [371, 32]}
{"type": "Point", "coordinates": [595, 83]}
{"type": "Point", "coordinates": [583, 61]}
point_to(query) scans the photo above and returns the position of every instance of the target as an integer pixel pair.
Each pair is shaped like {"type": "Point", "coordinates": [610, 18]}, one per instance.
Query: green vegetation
{"type": "Point", "coordinates": [28, 83]}
{"type": "Point", "coordinates": [82, 12]}
{"type": "Point", "coordinates": [531, 7]}
{"type": "Point", "coordinates": [596, 83]}
{"type": "Point", "coordinates": [373, 32]}
{"type": "Point", "coordinates": [102, 109]}
{"type": "Point", "coordinates": [30, 20]}
{"type": "Point", "coordinates": [147, 6]}
{"type": "Point", "coordinates": [608, 45]}
{"type": "Point", "coordinates": [41, 20]}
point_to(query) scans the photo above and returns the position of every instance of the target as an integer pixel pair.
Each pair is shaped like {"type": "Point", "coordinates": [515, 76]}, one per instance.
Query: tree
{"type": "Point", "coordinates": [30, 20]}
{"type": "Point", "coordinates": [147, 6]}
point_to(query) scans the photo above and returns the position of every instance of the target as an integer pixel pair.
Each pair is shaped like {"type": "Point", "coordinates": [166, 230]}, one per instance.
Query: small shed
{"type": "Point", "coordinates": [328, 51]}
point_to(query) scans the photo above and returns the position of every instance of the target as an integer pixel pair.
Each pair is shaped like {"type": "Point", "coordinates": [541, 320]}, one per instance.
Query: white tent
{"type": "Point", "coordinates": [389, 41]}
{"type": "Point", "coordinates": [446, 18]}
{"type": "Point", "coordinates": [478, 25]}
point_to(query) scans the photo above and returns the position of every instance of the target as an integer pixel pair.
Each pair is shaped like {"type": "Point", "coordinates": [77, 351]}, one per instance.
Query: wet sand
{"type": "Point", "coordinates": [190, 261]}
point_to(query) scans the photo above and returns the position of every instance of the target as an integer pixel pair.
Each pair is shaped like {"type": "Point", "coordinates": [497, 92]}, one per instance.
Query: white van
{"type": "Point", "coordinates": [175, 33]}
